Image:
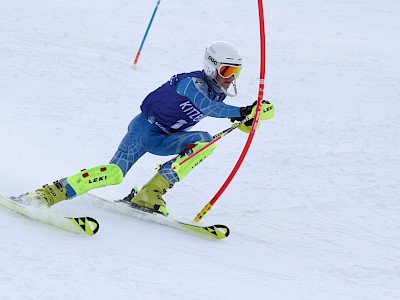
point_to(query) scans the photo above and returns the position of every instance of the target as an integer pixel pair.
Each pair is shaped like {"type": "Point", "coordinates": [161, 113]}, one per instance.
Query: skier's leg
{"type": "Point", "coordinates": [150, 196]}
{"type": "Point", "coordinates": [176, 142]}
{"type": "Point", "coordinates": [183, 143]}
{"type": "Point", "coordinates": [133, 145]}
{"type": "Point", "coordinates": [129, 151]}
{"type": "Point", "coordinates": [80, 183]}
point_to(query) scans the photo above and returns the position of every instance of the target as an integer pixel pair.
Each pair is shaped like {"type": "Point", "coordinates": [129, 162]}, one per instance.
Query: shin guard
{"type": "Point", "coordinates": [95, 177]}
{"type": "Point", "coordinates": [191, 157]}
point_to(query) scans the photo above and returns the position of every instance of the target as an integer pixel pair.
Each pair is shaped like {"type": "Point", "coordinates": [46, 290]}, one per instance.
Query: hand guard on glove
{"type": "Point", "coordinates": [267, 112]}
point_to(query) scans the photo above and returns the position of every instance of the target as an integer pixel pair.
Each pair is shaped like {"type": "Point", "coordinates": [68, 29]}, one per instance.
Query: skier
{"type": "Point", "coordinates": [161, 129]}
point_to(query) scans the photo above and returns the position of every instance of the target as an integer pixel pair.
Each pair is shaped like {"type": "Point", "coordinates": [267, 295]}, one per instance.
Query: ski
{"type": "Point", "coordinates": [214, 231]}
{"type": "Point", "coordinates": [80, 225]}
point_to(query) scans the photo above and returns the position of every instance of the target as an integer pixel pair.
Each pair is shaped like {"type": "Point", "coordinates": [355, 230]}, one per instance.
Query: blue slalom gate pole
{"type": "Point", "coordinates": [145, 35]}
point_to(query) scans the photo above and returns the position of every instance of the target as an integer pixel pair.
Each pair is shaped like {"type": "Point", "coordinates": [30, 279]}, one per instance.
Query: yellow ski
{"type": "Point", "coordinates": [82, 225]}
{"type": "Point", "coordinates": [214, 231]}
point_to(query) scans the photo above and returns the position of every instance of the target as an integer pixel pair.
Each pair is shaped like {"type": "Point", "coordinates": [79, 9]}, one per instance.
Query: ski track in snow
{"type": "Point", "coordinates": [314, 209]}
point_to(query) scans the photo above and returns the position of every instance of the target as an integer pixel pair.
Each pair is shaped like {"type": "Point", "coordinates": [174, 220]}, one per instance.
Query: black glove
{"type": "Point", "coordinates": [244, 111]}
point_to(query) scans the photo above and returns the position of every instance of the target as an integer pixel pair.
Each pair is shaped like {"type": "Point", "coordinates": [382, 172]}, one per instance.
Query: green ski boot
{"type": "Point", "coordinates": [150, 196]}
{"type": "Point", "coordinates": [52, 194]}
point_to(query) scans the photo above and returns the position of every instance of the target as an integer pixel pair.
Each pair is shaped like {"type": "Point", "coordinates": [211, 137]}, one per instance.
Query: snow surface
{"type": "Point", "coordinates": [314, 210]}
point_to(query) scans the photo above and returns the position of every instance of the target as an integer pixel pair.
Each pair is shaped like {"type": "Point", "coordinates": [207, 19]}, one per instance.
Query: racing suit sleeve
{"type": "Point", "coordinates": [196, 90]}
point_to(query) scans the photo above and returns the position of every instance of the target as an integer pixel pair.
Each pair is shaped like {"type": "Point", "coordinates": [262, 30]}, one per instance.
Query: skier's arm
{"type": "Point", "coordinates": [195, 90]}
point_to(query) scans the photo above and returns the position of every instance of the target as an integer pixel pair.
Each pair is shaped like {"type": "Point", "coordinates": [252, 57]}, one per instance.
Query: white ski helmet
{"type": "Point", "coordinates": [225, 59]}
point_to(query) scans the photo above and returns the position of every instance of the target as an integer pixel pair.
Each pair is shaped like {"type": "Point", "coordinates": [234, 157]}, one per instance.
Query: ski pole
{"type": "Point", "coordinates": [263, 111]}
{"type": "Point", "coordinates": [210, 204]}
{"type": "Point", "coordinates": [145, 35]}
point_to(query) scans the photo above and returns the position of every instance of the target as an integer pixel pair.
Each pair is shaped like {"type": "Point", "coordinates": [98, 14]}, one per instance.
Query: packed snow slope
{"type": "Point", "coordinates": [314, 210]}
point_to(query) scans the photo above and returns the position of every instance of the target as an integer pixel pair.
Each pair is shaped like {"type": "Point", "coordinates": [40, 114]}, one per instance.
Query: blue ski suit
{"type": "Point", "coordinates": [166, 115]}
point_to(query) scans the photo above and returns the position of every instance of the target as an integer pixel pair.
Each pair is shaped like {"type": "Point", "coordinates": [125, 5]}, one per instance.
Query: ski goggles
{"type": "Point", "coordinates": [226, 71]}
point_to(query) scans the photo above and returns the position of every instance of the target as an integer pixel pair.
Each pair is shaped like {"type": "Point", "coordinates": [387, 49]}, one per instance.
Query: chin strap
{"type": "Point", "coordinates": [215, 82]}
